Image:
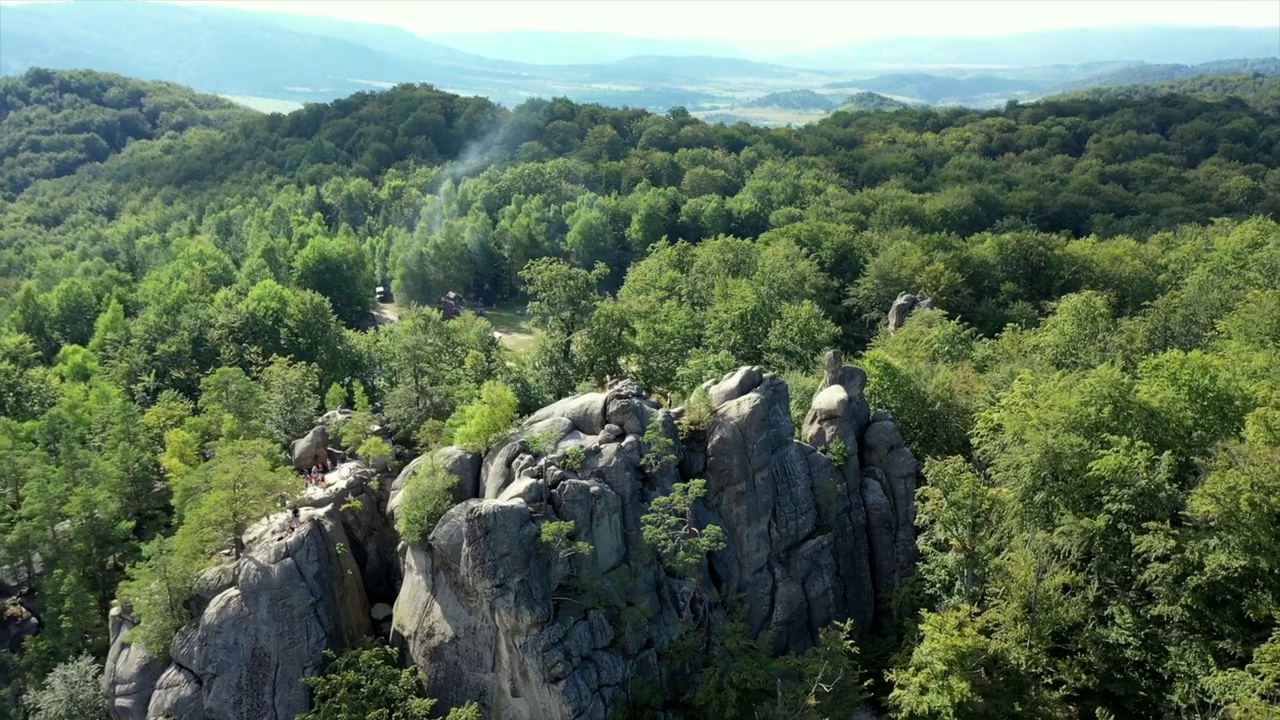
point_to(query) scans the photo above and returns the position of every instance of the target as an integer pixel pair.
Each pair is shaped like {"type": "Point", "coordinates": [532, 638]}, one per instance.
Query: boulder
{"type": "Point", "coordinates": [487, 604]}
{"type": "Point", "coordinates": [904, 306]}
{"type": "Point", "coordinates": [311, 449]}
{"type": "Point", "coordinates": [335, 418]}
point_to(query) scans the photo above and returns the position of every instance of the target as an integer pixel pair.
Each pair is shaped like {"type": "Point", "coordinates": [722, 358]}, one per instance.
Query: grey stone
{"type": "Point", "coordinates": [311, 449]}
{"type": "Point", "coordinates": [610, 434]}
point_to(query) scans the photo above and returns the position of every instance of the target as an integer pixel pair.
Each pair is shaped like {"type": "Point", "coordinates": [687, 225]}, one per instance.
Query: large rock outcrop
{"type": "Point", "coordinates": [263, 622]}
{"type": "Point", "coordinates": [494, 613]}
{"type": "Point", "coordinates": [311, 450]}
{"type": "Point", "coordinates": [497, 608]}
{"type": "Point", "coordinates": [903, 306]}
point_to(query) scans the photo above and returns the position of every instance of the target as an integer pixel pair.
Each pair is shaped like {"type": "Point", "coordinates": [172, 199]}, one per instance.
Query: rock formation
{"type": "Point", "coordinates": [904, 306]}
{"type": "Point", "coordinates": [311, 449]}
{"type": "Point", "coordinates": [263, 623]}
{"type": "Point", "coordinates": [494, 615]}
{"type": "Point", "coordinates": [817, 529]}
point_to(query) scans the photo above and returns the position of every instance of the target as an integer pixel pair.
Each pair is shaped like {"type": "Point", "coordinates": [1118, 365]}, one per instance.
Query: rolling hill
{"type": "Point", "coordinates": [1144, 74]}
{"type": "Point", "coordinates": [869, 101]}
{"type": "Point", "coordinates": [793, 100]}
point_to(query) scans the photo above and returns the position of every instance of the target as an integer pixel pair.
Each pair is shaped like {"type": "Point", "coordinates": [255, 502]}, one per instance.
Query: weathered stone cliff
{"type": "Point", "coordinates": [494, 613]}
{"type": "Point", "coordinates": [263, 623]}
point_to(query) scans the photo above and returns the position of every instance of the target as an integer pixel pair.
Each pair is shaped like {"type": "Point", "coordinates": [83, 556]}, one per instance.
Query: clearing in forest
{"type": "Point", "coordinates": [512, 324]}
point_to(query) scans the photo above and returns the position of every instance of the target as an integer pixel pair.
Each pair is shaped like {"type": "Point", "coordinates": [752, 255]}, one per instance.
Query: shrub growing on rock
{"type": "Point", "coordinates": [698, 413]}
{"type": "Point", "coordinates": [574, 458]}
{"type": "Point", "coordinates": [542, 443]}
{"type": "Point", "coordinates": [428, 495]}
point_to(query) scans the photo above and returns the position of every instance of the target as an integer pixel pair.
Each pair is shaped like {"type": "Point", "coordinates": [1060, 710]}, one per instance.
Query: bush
{"type": "Point", "coordinates": [430, 435]}
{"type": "Point", "coordinates": [801, 387]}
{"type": "Point", "coordinates": [558, 538]}
{"type": "Point", "coordinates": [72, 691]}
{"type": "Point", "coordinates": [479, 424]}
{"type": "Point", "coordinates": [335, 398]}
{"type": "Point", "coordinates": [574, 458]}
{"type": "Point", "coordinates": [428, 495]}
{"type": "Point", "coordinates": [373, 450]}
{"type": "Point", "coordinates": [542, 443]}
{"type": "Point", "coordinates": [662, 452]}
{"type": "Point", "coordinates": [368, 683]}
{"type": "Point", "coordinates": [698, 414]}
{"type": "Point", "coordinates": [837, 452]}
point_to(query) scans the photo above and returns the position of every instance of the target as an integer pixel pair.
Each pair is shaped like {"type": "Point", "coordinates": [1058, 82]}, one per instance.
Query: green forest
{"type": "Point", "coordinates": [185, 285]}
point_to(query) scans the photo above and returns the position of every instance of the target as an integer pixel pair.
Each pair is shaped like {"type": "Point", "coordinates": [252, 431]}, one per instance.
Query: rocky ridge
{"type": "Point", "coordinates": [818, 529]}
{"type": "Point", "coordinates": [264, 621]}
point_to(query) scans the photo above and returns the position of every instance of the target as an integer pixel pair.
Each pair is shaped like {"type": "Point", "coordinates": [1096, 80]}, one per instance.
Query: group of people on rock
{"type": "Point", "coordinates": [315, 476]}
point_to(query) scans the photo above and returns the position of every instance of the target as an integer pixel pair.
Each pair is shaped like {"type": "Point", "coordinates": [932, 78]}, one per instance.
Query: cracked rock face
{"type": "Point", "coordinates": [492, 614]}
{"type": "Point", "coordinates": [262, 623]}
{"type": "Point", "coordinates": [494, 609]}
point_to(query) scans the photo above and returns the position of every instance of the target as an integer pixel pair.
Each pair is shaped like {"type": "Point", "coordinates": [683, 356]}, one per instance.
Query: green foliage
{"type": "Point", "coordinates": [374, 451]}
{"type": "Point", "coordinates": [479, 424]}
{"type": "Point", "coordinates": [574, 458]}
{"type": "Point", "coordinates": [837, 452]}
{"type": "Point", "coordinates": [358, 429]}
{"type": "Point", "coordinates": [742, 678]}
{"type": "Point", "coordinates": [427, 496]}
{"type": "Point", "coordinates": [430, 435]}
{"type": "Point", "coordinates": [542, 443]}
{"type": "Point", "coordinates": [1096, 399]}
{"type": "Point", "coordinates": [335, 398]}
{"type": "Point", "coordinates": [699, 411]}
{"type": "Point", "coordinates": [72, 691]}
{"type": "Point", "coordinates": [669, 528]}
{"type": "Point", "coordinates": [338, 269]}
{"type": "Point", "coordinates": [557, 537]}
{"type": "Point", "coordinates": [289, 390]}
{"type": "Point", "coordinates": [430, 366]}
{"type": "Point", "coordinates": [565, 298]}
{"type": "Point", "coordinates": [158, 589]}
{"type": "Point", "coordinates": [661, 450]}
{"type": "Point", "coordinates": [366, 683]}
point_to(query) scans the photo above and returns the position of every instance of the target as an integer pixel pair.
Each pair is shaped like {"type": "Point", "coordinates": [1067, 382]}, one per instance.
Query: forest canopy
{"type": "Point", "coordinates": [1097, 396]}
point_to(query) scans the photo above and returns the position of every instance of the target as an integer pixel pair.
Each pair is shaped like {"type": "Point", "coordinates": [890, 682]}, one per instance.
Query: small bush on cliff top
{"type": "Point", "coordinates": [699, 411]}
{"type": "Point", "coordinates": [428, 495]}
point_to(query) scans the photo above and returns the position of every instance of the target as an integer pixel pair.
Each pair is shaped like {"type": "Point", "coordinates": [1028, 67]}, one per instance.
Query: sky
{"type": "Point", "coordinates": [790, 26]}
{"type": "Point", "coordinates": [771, 27]}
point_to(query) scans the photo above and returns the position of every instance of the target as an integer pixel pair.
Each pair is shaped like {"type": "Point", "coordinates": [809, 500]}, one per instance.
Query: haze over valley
{"type": "Point", "coordinates": [275, 61]}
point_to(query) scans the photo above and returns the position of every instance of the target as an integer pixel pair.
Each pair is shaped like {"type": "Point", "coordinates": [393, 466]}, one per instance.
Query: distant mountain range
{"type": "Point", "coordinates": [539, 47]}
{"type": "Point", "coordinates": [273, 59]}
{"type": "Point", "coordinates": [1148, 44]}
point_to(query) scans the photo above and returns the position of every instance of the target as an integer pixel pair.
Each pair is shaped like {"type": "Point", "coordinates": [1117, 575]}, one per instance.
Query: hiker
{"type": "Point", "coordinates": [294, 518]}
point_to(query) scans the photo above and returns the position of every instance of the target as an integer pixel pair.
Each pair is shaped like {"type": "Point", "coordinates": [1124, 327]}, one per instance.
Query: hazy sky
{"type": "Point", "coordinates": [788, 26]}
